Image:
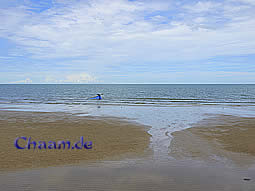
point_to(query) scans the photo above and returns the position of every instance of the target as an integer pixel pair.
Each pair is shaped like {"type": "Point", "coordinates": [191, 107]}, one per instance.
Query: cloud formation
{"type": "Point", "coordinates": [26, 81]}
{"type": "Point", "coordinates": [73, 78]}
{"type": "Point", "coordinates": [99, 34]}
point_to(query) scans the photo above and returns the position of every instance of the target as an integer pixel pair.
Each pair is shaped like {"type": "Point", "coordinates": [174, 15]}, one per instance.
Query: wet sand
{"type": "Point", "coordinates": [139, 176]}
{"type": "Point", "coordinates": [219, 138]}
{"type": "Point", "coordinates": [111, 139]}
{"type": "Point", "coordinates": [191, 147]}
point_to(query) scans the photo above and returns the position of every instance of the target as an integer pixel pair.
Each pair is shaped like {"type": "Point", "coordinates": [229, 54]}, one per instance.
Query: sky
{"type": "Point", "coordinates": [127, 41]}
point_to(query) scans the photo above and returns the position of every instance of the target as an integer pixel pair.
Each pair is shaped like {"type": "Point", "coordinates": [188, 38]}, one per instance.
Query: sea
{"type": "Point", "coordinates": [165, 108]}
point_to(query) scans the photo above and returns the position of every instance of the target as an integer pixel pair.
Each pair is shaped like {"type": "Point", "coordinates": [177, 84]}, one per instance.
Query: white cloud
{"type": "Point", "coordinates": [72, 78]}
{"type": "Point", "coordinates": [26, 81]}
{"type": "Point", "coordinates": [203, 6]}
{"type": "Point", "coordinates": [80, 78]}
{"type": "Point", "coordinates": [113, 32]}
{"type": "Point", "coordinates": [252, 2]}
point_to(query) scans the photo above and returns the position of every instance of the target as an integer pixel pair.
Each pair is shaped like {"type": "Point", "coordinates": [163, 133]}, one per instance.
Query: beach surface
{"type": "Point", "coordinates": [121, 158]}
{"type": "Point", "coordinates": [224, 138]}
{"type": "Point", "coordinates": [111, 139]}
{"type": "Point", "coordinates": [138, 176]}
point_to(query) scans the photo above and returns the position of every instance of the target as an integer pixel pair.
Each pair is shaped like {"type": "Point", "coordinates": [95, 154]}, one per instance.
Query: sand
{"type": "Point", "coordinates": [111, 139]}
{"type": "Point", "coordinates": [146, 173]}
{"type": "Point", "coordinates": [217, 138]}
{"type": "Point", "coordinates": [136, 177]}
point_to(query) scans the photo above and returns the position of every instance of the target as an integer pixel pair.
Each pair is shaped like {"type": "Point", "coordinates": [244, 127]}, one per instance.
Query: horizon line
{"type": "Point", "coordinates": [127, 83]}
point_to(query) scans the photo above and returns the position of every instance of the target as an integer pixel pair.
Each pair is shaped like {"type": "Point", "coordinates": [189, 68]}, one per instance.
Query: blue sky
{"type": "Point", "coordinates": [121, 41]}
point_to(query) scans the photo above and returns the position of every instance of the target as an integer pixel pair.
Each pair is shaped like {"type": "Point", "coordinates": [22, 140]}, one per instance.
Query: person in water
{"type": "Point", "coordinates": [99, 96]}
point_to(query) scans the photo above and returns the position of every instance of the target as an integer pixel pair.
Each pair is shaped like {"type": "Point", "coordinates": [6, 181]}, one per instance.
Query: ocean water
{"type": "Point", "coordinates": [165, 108]}
{"type": "Point", "coordinates": [148, 94]}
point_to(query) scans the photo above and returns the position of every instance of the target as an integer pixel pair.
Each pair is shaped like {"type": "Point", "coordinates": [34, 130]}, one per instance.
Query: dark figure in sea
{"type": "Point", "coordinates": [99, 96]}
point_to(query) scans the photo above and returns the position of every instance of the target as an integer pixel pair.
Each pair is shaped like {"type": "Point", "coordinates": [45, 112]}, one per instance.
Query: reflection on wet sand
{"type": "Point", "coordinates": [221, 137]}
{"type": "Point", "coordinates": [138, 176]}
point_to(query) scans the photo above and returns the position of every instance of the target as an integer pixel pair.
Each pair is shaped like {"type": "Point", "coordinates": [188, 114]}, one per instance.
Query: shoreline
{"type": "Point", "coordinates": [111, 138]}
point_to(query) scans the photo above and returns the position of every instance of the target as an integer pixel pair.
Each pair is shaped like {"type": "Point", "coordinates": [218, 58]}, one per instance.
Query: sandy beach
{"type": "Point", "coordinates": [217, 138]}
{"type": "Point", "coordinates": [121, 158]}
{"type": "Point", "coordinates": [111, 138]}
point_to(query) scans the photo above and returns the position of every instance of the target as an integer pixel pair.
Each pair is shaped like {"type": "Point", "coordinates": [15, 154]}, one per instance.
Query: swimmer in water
{"type": "Point", "coordinates": [99, 96]}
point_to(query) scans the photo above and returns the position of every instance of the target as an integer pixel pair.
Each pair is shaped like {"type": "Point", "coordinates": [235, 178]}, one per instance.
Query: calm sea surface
{"type": "Point", "coordinates": [163, 95]}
